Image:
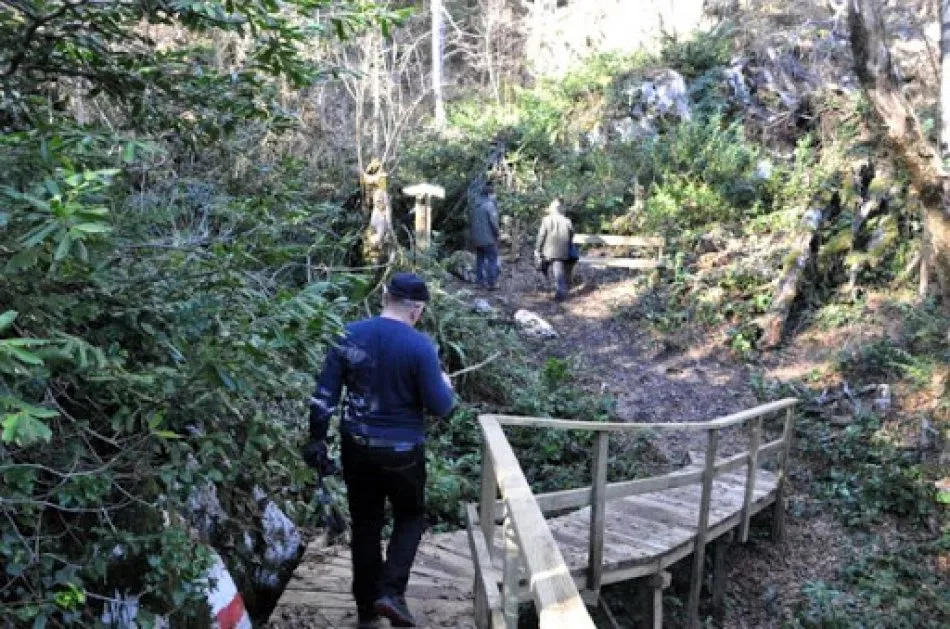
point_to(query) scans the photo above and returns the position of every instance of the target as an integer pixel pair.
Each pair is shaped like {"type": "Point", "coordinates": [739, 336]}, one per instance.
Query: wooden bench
{"type": "Point", "coordinates": [640, 242]}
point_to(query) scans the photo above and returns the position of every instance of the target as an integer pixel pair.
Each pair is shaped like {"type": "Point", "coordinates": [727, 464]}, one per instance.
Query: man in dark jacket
{"type": "Point", "coordinates": [554, 248]}
{"type": "Point", "coordinates": [484, 233]}
{"type": "Point", "coordinates": [392, 375]}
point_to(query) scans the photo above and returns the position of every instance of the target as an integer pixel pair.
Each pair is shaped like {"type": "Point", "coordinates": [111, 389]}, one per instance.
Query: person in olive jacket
{"type": "Point", "coordinates": [555, 248]}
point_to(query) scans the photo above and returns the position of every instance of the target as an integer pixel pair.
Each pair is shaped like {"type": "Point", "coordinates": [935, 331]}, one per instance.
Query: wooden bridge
{"type": "Point", "coordinates": [559, 549]}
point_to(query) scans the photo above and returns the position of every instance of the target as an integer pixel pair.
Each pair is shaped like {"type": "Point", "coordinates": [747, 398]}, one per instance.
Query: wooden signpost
{"type": "Point", "coordinates": [423, 192]}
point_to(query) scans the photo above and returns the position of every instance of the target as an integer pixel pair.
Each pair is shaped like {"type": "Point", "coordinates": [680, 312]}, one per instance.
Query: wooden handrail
{"type": "Point", "coordinates": [528, 539]}
{"type": "Point", "coordinates": [558, 602]}
{"type": "Point", "coordinates": [619, 241]}
{"type": "Point", "coordinates": [572, 424]}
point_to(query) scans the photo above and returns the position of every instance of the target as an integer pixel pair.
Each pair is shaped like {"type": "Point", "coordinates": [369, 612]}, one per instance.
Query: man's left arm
{"type": "Point", "coordinates": [438, 397]}
{"type": "Point", "coordinates": [493, 218]}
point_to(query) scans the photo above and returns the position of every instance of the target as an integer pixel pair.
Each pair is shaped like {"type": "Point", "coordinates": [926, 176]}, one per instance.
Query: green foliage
{"type": "Point", "coordinates": [884, 359]}
{"type": "Point", "coordinates": [142, 362]}
{"type": "Point", "coordinates": [702, 52]}
{"type": "Point", "coordinates": [551, 459]}
{"type": "Point", "coordinates": [176, 87]}
{"type": "Point", "coordinates": [703, 171]}
{"type": "Point", "coordinates": [166, 326]}
{"type": "Point", "coordinates": [865, 474]}
{"type": "Point", "coordinates": [898, 588]}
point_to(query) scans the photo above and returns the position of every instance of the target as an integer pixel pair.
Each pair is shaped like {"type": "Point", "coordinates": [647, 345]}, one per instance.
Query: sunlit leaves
{"type": "Point", "coordinates": [22, 424]}
{"type": "Point", "coordinates": [63, 211]}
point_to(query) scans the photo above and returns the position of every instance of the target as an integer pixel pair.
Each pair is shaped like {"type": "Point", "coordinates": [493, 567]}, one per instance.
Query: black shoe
{"type": "Point", "coordinates": [395, 609]}
{"type": "Point", "coordinates": [369, 619]}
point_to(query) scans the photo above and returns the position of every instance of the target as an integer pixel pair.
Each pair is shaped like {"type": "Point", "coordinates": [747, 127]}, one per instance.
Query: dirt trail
{"type": "Point", "coordinates": [612, 354]}
{"type": "Point", "coordinates": [652, 381]}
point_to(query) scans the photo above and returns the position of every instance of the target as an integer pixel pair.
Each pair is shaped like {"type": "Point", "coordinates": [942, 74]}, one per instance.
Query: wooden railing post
{"type": "Point", "coordinates": [778, 517]}
{"type": "Point", "coordinates": [486, 508]}
{"type": "Point", "coordinates": [699, 554]}
{"type": "Point", "coordinates": [750, 479]}
{"type": "Point", "coordinates": [488, 605]}
{"type": "Point", "coordinates": [510, 574]}
{"type": "Point", "coordinates": [556, 598]}
{"type": "Point", "coordinates": [598, 510]}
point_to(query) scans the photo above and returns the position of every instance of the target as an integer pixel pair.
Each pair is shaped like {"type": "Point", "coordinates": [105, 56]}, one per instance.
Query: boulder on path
{"type": "Point", "coordinates": [461, 264]}
{"type": "Point", "coordinates": [481, 306]}
{"type": "Point", "coordinates": [534, 325]}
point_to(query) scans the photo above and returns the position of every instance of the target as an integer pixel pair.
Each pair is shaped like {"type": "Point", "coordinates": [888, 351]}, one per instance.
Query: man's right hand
{"type": "Point", "coordinates": [315, 455]}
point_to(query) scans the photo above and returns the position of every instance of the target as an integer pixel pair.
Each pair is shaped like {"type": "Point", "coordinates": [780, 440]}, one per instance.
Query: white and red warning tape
{"type": "Point", "coordinates": [227, 606]}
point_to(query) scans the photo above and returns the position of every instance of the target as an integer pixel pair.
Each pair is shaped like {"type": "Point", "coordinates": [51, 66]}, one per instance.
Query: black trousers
{"type": "Point", "coordinates": [372, 476]}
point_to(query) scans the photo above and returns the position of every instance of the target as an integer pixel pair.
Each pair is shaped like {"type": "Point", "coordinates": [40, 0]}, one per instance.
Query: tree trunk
{"type": "Point", "coordinates": [872, 63]}
{"type": "Point", "coordinates": [376, 61]}
{"type": "Point", "coordinates": [772, 323]}
{"type": "Point", "coordinates": [944, 78]}
{"type": "Point", "coordinates": [437, 47]}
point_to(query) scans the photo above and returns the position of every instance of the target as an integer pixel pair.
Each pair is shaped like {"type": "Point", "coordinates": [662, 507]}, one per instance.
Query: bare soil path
{"type": "Point", "coordinates": [612, 354]}
{"type": "Point", "coordinates": [653, 380]}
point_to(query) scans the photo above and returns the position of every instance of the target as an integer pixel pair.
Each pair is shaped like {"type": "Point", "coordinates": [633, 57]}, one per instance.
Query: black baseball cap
{"type": "Point", "coordinates": [408, 286]}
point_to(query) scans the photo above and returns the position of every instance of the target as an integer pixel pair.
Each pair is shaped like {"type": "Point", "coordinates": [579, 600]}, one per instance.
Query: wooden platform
{"type": "Point", "coordinates": [643, 535]}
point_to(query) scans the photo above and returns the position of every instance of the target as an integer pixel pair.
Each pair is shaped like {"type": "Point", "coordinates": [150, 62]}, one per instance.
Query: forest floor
{"type": "Point", "coordinates": [696, 379]}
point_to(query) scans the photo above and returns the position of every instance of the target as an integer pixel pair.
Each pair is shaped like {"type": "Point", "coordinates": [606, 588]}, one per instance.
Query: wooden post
{"type": "Point", "coordinates": [778, 513]}
{"type": "Point", "coordinates": [653, 605]}
{"type": "Point", "coordinates": [486, 508]}
{"type": "Point", "coordinates": [482, 612]}
{"type": "Point", "coordinates": [720, 547]}
{"type": "Point", "coordinates": [488, 606]}
{"type": "Point", "coordinates": [750, 479]}
{"type": "Point", "coordinates": [423, 224]}
{"type": "Point", "coordinates": [598, 509]}
{"type": "Point", "coordinates": [556, 598]}
{"type": "Point", "coordinates": [423, 192]}
{"type": "Point", "coordinates": [699, 554]}
{"type": "Point", "coordinates": [510, 576]}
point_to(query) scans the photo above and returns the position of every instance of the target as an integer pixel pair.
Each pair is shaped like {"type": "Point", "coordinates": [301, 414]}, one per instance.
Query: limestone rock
{"type": "Point", "coordinates": [533, 325]}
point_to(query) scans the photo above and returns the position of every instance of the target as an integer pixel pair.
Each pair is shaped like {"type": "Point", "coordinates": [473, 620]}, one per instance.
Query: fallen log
{"type": "Point", "coordinates": [772, 323]}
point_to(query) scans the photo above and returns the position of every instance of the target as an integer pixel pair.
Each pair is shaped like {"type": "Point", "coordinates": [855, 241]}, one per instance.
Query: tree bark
{"type": "Point", "coordinates": [873, 65]}
{"type": "Point", "coordinates": [437, 47]}
{"type": "Point", "coordinates": [376, 61]}
{"type": "Point", "coordinates": [944, 78]}
{"type": "Point", "coordinates": [772, 323]}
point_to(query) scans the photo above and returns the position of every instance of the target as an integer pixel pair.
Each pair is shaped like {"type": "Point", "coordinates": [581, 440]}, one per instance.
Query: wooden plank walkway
{"type": "Point", "coordinates": [644, 534]}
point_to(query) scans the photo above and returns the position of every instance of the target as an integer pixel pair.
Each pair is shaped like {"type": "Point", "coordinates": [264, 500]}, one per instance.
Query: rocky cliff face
{"type": "Point", "coordinates": [562, 33]}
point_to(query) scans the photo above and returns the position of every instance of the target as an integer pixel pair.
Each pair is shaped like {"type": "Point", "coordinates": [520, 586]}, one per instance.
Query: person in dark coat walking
{"type": "Point", "coordinates": [484, 234]}
{"type": "Point", "coordinates": [392, 376]}
{"type": "Point", "coordinates": [555, 248]}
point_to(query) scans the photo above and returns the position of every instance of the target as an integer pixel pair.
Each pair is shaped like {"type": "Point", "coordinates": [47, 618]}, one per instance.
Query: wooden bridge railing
{"type": "Point", "coordinates": [527, 536]}
{"type": "Point", "coordinates": [527, 541]}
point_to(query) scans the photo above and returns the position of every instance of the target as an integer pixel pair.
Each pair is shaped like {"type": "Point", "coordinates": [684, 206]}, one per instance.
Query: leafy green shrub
{"type": "Point", "coordinates": [884, 359]}
{"type": "Point", "coordinates": [896, 587]}
{"type": "Point", "coordinates": [158, 330]}
{"type": "Point", "coordinates": [865, 474]}
{"type": "Point", "coordinates": [699, 54]}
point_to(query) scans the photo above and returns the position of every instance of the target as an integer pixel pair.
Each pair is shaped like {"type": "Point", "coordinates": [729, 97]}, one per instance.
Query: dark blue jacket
{"type": "Point", "coordinates": [392, 375]}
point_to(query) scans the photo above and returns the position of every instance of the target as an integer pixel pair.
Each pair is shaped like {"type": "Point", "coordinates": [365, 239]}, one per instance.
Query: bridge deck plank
{"type": "Point", "coordinates": [643, 535]}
